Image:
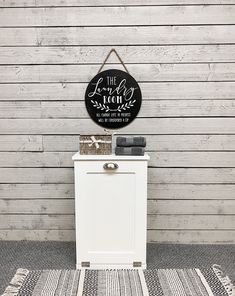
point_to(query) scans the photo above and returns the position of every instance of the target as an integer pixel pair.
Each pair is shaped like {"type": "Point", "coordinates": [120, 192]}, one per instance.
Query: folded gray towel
{"type": "Point", "coordinates": [131, 141]}
{"type": "Point", "coordinates": [129, 150]}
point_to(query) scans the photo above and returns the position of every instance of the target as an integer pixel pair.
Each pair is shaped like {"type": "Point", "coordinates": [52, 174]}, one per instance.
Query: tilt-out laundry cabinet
{"type": "Point", "coordinates": [110, 211]}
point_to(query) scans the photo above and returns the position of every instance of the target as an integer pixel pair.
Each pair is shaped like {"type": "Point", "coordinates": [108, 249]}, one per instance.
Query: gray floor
{"type": "Point", "coordinates": [59, 255]}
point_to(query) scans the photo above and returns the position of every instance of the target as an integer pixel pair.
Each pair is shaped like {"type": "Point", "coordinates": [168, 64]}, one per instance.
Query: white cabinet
{"type": "Point", "coordinates": [111, 210]}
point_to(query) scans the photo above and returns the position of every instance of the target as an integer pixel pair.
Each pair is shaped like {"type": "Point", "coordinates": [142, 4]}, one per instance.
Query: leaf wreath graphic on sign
{"type": "Point", "coordinates": [113, 97]}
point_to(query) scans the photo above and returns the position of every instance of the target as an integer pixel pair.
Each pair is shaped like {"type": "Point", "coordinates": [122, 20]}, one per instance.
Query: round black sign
{"type": "Point", "coordinates": [113, 99]}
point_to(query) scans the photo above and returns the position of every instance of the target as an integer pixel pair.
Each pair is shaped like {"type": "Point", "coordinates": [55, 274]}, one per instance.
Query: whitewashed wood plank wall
{"type": "Point", "coordinates": [183, 54]}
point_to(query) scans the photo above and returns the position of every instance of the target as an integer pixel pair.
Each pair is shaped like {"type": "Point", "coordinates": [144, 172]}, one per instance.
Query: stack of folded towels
{"type": "Point", "coordinates": [130, 146]}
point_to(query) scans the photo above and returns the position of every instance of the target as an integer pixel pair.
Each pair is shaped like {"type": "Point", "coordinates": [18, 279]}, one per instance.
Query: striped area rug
{"type": "Point", "coordinates": [152, 282]}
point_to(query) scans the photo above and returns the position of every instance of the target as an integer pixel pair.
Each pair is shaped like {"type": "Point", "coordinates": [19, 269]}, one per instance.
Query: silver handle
{"type": "Point", "coordinates": [110, 166]}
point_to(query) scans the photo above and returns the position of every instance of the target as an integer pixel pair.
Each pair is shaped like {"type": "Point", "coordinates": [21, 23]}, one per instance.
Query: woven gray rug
{"type": "Point", "coordinates": [151, 282]}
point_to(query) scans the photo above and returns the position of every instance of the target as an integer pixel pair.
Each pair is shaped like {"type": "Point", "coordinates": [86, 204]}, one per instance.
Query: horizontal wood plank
{"type": "Point", "coordinates": [37, 175]}
{"type": "Point", "coordinates": [178, 222]}
{"type": "Point", "coordinates": [154, 142]}
{"type": "Point", "coordinates": [132, 35]}
{"type": "Point", "coordinates": [28, 159]}
{"type": "Point", "coordinates": [21, 143]}
{"type": "Point", "coordinates": [198, 222]}
{"type": "Point", "coordinates": [165, 236]}
{"type": "Point", "coordinates": [139, 126]}
{"type": "Point", "coordinates": [192, 159]}
{"type": "Point", "coordinates": [84, 16]}
{"type": "Point", "coordinates": [42, 222]}
{"type": "Point", "coordinates": [155, 191]}
{"type": "Point", "coordinates": [38, 235]}
{"type": "Point", "coordinates": [157, 159]}
{"type": "Point", "coordinates": [192, 236]}
{"type": "Point", "coordinates": [191, 207]}
{"type": "Point", "coordinates": [36, 191]}
{"type": "Point", "coordinates": [191, 175]}
{"type": "Point", "coordinates": [162, 108]}
{"type": "Point", "coordinates": [151, 91]}
{"type": "Point", "coordinates": [172, 142]}
{"type": "Point", "coordinates": [156, 175]}
{"type": "Point", "coordinates": [191, 191]}
{"type": "Point", "coordinates": [55, 3]}
{"type": "Point", "coordinates": [133, 54]}
{"type": "Point", "coordinates": [143, 72]}
{"type": "Point", "coordinates": [155, 207]}
{"type": "Point", "coordinates": [157, 108]}
{"type": "Point", "coordinates": [17, 109]}
{"type": "Point", "coordinates": [61, 143]}
{"type": "Point", "coordinates": [45, 92]}
{"type": "Point", "coordinates": [37, 206]}
{"type": "Point", "coordinates": [150, 108]}
{"type": "Point", "coordinates": [64, 109]}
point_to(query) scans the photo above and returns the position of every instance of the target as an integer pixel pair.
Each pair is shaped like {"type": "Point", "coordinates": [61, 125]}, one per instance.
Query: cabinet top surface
{"type": "Point", "coordinates": [78, 156]}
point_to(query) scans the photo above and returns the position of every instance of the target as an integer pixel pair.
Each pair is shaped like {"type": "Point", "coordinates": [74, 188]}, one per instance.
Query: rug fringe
{"type": "Point", "coordinates": [16, 282]}
{"type": "Point", "coordinates": [224, 279]}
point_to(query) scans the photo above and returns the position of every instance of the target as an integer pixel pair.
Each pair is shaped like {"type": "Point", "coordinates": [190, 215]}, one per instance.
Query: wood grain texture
{"type": "Point", "coordinates": [62, 91]}
{"type": "Point", "coordinates": [37, 206]}
{"type": "Point", "coordinates": [154, 142]}
{"type": "Point", "coordinates": [84, 16]}
{"type": "Point", "coordinates": [14, 109]}
{"type": "Point", "coordinates": [178, 222]}
{"type": "Point", "coordinates": [143, 72]}
{"type": "Point", "coordinates": [192, 159]}
{"type": "Point", "coordinates": [192, 236]}
{"type": "Point", "coordinates": [155, 191]}
{"type": "Point", "coordinates": [191, 207]}
{"type": "Point", "coordinates": [44, 159]}
{"type": "Point", "coordinates": [58, 3]}
{"type": "Point", "coordinates": [196, 222]}
{"type": "Point", "coordinates": [40, 222]}
{"type": "Point", "coordinates": [37, 175]}
{"type": "Point", "coordinates": [36, 191]}
{"type": "Point", "coordinates": [156, 175]}
{"type": "Point", "coordinates": [110, 36]}
{"type": "Point", "coordinates": [134, 54]}
{"type": "Point", "coordinates": [192, 175]}
{"type": "Point", "coordinates": [155, 207]}
{"type": "Point", "coordinates": [165, 236]}
{"type": "Point", "coordinates": [21, 143]}
{"type": "Point", "coordinates": [38, 235]}
{"type": "Point", "coordinates": [139, 126]}
{"type": "Point", "coordinates": [157, 159]}
{"type": "Point", "coordinates": [191, 191]}
{"type": "Point", "coordinates": [61, 143]}
{"type": "Point", "coordinates": [149, 108]}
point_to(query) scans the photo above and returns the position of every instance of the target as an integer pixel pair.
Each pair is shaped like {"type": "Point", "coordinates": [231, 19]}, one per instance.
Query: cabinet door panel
{"type": "Point", "coordinates": [109, 204]}
{"type": "Point", "coordinates": [111, 213]}
{"type": "Point", "coordinates": [107, 217]}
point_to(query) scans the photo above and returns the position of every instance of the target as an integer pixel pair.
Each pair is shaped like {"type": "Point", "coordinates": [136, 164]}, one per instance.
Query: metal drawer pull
{"type": "Point", "coordinates": [110, 166]}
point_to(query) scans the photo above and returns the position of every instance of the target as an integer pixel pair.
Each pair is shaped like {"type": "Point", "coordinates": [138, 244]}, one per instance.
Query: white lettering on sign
{"type": "Point", "coordinates": [114, 96]}
{"type": "Point", "coordinates": [111, 80]}
{"type": "Point", "coordinates": [112, 99]}
{"type": "Point", "coordinates": [119, 91]}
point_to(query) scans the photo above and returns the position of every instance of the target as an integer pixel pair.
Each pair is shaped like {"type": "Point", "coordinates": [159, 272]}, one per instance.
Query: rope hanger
{"type": "Point", "coordinates": [108, 55]}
